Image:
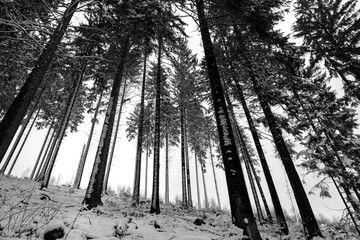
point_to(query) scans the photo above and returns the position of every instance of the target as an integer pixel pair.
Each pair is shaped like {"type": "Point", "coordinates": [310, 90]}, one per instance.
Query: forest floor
{"type": "Point", "coordinates": [29, 213]}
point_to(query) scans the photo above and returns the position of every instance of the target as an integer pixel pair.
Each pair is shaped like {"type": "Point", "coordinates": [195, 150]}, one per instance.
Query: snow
{"type": "Point", "coordinates": [29, 213]}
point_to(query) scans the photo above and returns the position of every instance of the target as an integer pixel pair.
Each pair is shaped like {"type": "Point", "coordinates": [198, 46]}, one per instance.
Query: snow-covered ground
{"type": "Point", "coordinates": [29, 213]}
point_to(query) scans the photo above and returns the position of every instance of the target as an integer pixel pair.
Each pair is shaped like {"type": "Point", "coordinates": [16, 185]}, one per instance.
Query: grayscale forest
{"type": "Point", "coordinates": [62, 62]}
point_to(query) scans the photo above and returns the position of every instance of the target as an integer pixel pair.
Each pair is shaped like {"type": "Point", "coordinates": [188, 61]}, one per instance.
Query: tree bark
{"type": "Point", "coordinates": [155, 201]}
{"type": "Point", "coordinates": [241, 210]}
{"type": "Point", "coordinates": [22, 101]}
{"type": "Point", "coordinates": [93, 193]}
{"type": "Point", "coordinates": [136, 191]}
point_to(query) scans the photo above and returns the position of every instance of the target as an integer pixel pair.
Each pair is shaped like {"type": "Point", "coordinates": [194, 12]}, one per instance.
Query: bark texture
{"type": "Point", "coordinates": [241, 210]}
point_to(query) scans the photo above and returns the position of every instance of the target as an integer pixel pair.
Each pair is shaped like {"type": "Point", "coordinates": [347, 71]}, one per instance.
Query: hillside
{"type": "Point", "coordinates": [29, 213]}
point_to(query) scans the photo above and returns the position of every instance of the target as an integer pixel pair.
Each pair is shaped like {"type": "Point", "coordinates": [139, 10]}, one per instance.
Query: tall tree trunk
{"type": "Point", "coordinates": [136, 191]}
{"type": "Point", "coordinates": [80, 171]}
{"type": "Point", "coordinates": [41, 152]}
{"type": "Point", "coordinates": [269, 180]}
{"type": "Point", "coordinates": [93, 193]}
{"type": "Point", "coordinates": [214, 174]}
{"type": "Point", "coordinates": [241, 210]}
{"type": "Point", "coordinates": [146, 169]}
{"type": "Point", "coordinates": [21, 103]}
{"type": "Point", "coordinates": [197, 181]}
{"type": "Point", "coordinates": [167, 167]}
{"type": "Point", "coordinates": [188, 182]}
{"type": "Point", "coordinates": [183, 157]}
{"type": "Point", "coordinates": [310, 224]}
{"type": "Point", "coordinates": [23, 143]}
{"type": "Point", "coordinates": [155, 201]}
{"type": "Point", "coordinates": [63, 125]}
{"type": "Point", "coordinates": [107, 174]}
{"type": "Point", "coordinates": [204, 185]}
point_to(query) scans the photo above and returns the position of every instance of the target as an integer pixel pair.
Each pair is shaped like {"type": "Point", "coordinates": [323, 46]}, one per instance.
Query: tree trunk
{"type": "Point", "coordinates": [40, 153]}
{"type": "Point", "coordinates": [23, 143]}
{"type": "Point", "coordinates": [93, 193]}
{"type": "Point", "coordinates": [146, 169]}
{"type": "Point", "coordinates": [63, 126]}
{"type": "Point", "coordinates": [214, 174]}
{"type": "Point", "coordinates": [269, 180]}
{"type": "Point", "coordinates": [197, 181]}
{"type": "Point", "coordinates": [307, 215]}
{"type": "Point", "coordinates": [183, 157]}
{"type": "Point", "coordinates": [136, 191]}
{"type": "Point", "coordinates": [107, 174]}
{"type": "Point", "coordinates": [241, 210]}
{"type": "Point", "coordinates": [80, 171]}
{"type": "Point", "coordinates": [155, 202]}
{"type": "Point", "coordinates": [21, 103]}
{"type": "Point", "coordinates": [167, 167]}
{"type": "Point", "coordinates": [204, 185]}
{"type": "Point", "coordinates": [188, 182]}
{"type": "Point", "coordinates": [80, 166]}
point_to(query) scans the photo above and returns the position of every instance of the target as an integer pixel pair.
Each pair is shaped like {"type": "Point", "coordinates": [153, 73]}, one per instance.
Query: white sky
{"type": "Point", "coordinates": [122, 173]}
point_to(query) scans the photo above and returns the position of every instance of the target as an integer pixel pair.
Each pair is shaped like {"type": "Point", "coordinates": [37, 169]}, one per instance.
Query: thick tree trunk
{"type": "Point", "coordinates": [136, 191]}
{"type": "Point", "coordinates": [80, 171]}
{"type": "Point", "coordinates": [63, 126]}
{"type": "Point", "coordinates": [21, 103]}
{"type": "Point", "coordinates": [183, 157]}
{"type": "Point", "coordinates": [197, 181]}
{"type": "Point", "coordinates": [214, 174]}
{"type": "Point", "coordinates": [155, 201]}
{"type": "Point", "coordinates": [93, 193]}
{"type": "Point", "coordinates": [107, 174]}
{"type": "Point", "coordinates": [23, 143]}
{"type": "Point", "coordinates": [40, 153]}
{"type": "Point", "coordinates": [241, 210]}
